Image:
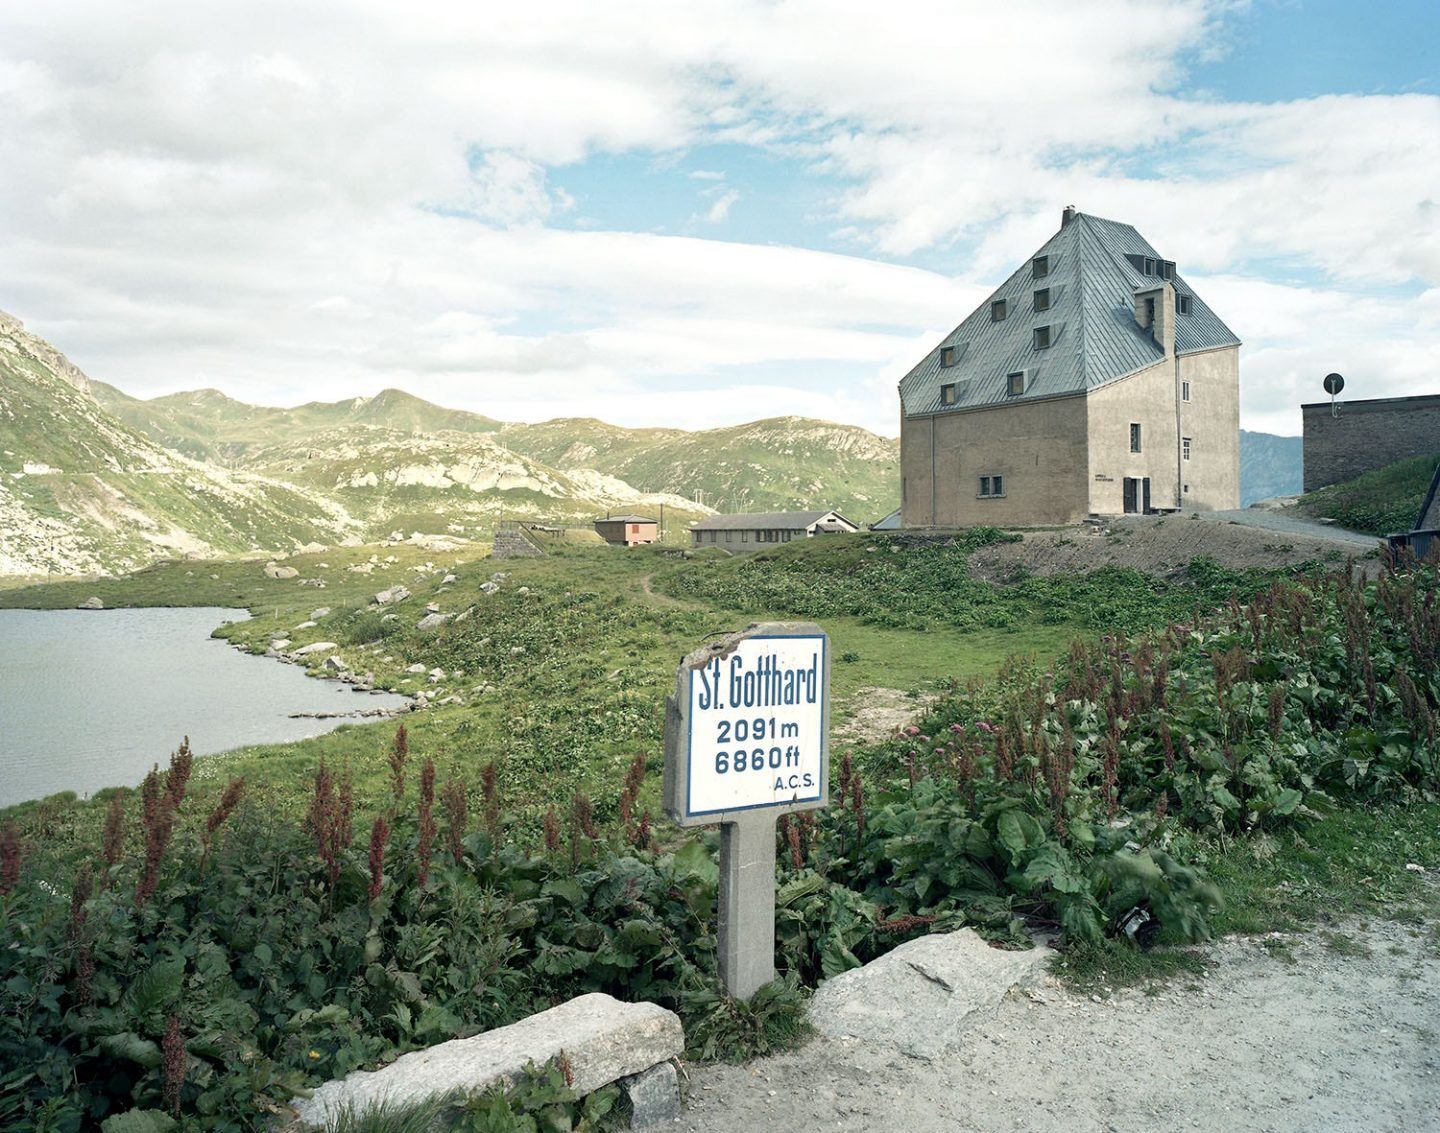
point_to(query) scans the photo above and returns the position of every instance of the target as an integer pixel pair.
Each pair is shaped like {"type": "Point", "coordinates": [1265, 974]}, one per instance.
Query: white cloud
{"type": "Point", "coordinates": [304, 202]}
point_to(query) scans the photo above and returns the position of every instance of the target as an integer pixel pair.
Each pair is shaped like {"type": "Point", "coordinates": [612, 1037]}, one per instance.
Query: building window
{"type": "Point", "coordinates": [1134, 437]}
{"type": "Point", "coordinates": [1150, 268]}
{"type": "Point", "coordinates": [1039, 267]}
{"type": "Point", "coordinates": [728, 536]}
{"type": "Point", "coordinates": [1182, 304]}
{"type": "Point", "coordinates": [1015, 383]}
{"type": "Point", "coordinates": [1185, 447]}
{"type": "Point", "coordinates": [1184, 391]}
{"type": "Point", "coordinates": [997, 311]}
{"type": "Point", "coordinates": [1167, 269]}
{"type": "Point", "coordinates": [991, 487]}
{"type": "Point", "coordinates": [947, 394]}
{"type": "Point", "coordinates": [1042, 299]}
{"type": "Point", "coordinates": [1042, 338]}
{"type": "Point", "coordinates": [947, 356]}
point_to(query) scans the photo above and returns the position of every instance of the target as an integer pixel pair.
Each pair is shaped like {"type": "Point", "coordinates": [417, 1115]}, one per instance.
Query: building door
{"type": "Point", "coordinates": [1130, 495]}
{"type": "Point", "coordinates": [1145, 495]}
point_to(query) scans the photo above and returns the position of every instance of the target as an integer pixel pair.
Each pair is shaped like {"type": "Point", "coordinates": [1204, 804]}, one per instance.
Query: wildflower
{"type": "Point", "coordinates": [552, 831]}
{"type": "Point", "coordinates": [399, 752]}
{"type": "Point", "coordinates": [172, 1049]}
{"type": "Point", "coordinates": [313, 1055]}
{"type": "Point", "coordinates": [216, 819]}
{"type": "Point", "coordinates": [453, 798]}
{"type": "Point", "coordinates": [112, 842]}
{"type": "Point", "coordinates": [490, 792]}
{"type": "Point", "coordinates": [912, 730]}
{"type": "Point", "coordinates": [324, 823]}
{"type": "Point", "coordinates": [10, 855]}
{"type": "Point", "coordinates": [379, 835]}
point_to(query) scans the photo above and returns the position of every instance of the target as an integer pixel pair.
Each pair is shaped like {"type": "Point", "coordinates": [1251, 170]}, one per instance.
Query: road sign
{"type": "Point", "coordinates": [1334, 383]}
{"type": "Point", "coordinates": [747, 740]}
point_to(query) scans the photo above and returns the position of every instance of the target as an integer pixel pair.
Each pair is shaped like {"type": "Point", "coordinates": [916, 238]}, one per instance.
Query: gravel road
{"type": "Point", "coordinates": [1284, 1034]}
{"type": "Point", "coordinates": [1287, 522]}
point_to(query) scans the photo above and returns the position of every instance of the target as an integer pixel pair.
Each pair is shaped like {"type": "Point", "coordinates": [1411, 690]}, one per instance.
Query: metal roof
{"type": "Point", "coordinates": [627, 519]}
{"type": "Point", "coordinates": [763, 521]}
{"type": "Point", "coordinates": [1094, 338]}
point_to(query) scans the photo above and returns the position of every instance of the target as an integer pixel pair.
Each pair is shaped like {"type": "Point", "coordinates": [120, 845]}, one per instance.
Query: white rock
{"type": "Point", "coordinates": [316, 647]}
{"type": "Point", "coordinates": [432, 621]}
{"type": "Point", "coordinates": [305, 625]}
{"type": "Point", "coordinates": [447, 580]}
{"type": "Point", "coordinates": [395, 593]}
{"type": "Point", "coordinates": [91, 603]}
{"type": "Point", "coordinates": [336, 665]}
{"type": "Point", "coordinates": [275, 570]}
{"type": "Point", "coordinates": [437, 674]}
{"type": "Point", "coordinates": [279, 643]}
{"type": "Point", "coordinates": [361, 568]}
{"type": "Point", "coordinates": [432, 607]}
{"type": "Point", "coordinates": [922, 995]}
{"type": "Point", "coordinates": [603, 1039]}
{"type": "Point", "coordinates": [316, 615]}
{"type": "Point", "coordinates": [416, 668]}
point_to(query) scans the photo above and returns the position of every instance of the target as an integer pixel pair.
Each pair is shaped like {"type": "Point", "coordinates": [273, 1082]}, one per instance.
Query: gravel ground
{"type": "Point", "coordinates": [1283, 1034]}
{"type": "Point", "coordinates": [1288, 522]}
{"type": "Point", "coordinates": [1164, 545]}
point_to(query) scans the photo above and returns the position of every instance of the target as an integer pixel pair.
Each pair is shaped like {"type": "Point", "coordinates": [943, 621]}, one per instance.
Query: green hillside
{"type": "Point", "coordinates": [770, 465]}
{"type": "Point", "coordinates": [1382, 502]}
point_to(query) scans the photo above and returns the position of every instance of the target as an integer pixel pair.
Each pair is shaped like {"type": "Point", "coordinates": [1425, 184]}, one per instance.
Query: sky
{"type": "Point", "coordinates": [700, 214]}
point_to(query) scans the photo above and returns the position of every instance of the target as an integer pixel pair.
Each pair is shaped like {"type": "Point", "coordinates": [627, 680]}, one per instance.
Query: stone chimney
{"type": "Point", "coordinates": [1155, 311]}
{"type": "Point", "coordinates": [1067, 216]}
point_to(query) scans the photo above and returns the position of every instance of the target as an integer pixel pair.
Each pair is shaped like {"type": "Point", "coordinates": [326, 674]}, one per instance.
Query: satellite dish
{"type": "Point", "coordinates": [1334, 383]}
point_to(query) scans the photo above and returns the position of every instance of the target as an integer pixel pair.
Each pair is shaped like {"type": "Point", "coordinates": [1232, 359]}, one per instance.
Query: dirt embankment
{"type": "Point", "coordinates": [1161, 546]}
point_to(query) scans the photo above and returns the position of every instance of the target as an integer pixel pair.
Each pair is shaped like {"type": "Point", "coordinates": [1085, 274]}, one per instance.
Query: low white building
{"type": "Point", "coordinates": [754, 531]}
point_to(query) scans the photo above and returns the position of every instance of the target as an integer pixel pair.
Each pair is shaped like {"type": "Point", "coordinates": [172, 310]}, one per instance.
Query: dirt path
{"type": "Point", "coordinates": [1289, 521]}
{"type": "Point", "coordinates": [1308, 1037]}
{"type": "Point", "coordinates": [654, 595]}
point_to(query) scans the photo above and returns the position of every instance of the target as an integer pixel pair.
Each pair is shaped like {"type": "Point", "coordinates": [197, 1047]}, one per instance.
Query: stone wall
{"type": "Point", "coordinates": [1367, 435]}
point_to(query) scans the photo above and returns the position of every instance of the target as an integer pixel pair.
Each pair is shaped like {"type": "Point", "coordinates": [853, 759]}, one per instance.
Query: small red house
{"type": "Point", "coordinates": [628, 530]}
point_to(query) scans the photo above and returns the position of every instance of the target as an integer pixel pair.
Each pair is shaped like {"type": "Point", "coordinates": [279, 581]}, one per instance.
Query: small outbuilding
{"type": "Point", "coordinates": [628, 530]}
{"type": "Point", "coordinates": [753, 531]}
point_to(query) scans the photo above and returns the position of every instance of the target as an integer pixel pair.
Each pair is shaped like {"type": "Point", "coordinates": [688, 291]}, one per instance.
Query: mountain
{"type": "Point", "coordinates": [82, 491]}
{"type": "Point", "coordinates": [1269, 466]}
{"type": "Point", "coordinates": [95, 480]}
{"type": "Point", "coordinates": [771, 465]}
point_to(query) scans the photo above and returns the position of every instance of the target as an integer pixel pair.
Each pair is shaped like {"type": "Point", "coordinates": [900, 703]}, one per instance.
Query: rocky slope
{"type": "Point", "coordinates": [80, 491]}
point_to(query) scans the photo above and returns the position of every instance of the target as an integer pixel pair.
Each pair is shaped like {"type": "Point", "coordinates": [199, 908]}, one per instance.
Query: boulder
{"type": "Point", "coordinates": [432, 621]}
{"type": "Point", "coordinates": [603, 1039]}
{"type": "Point", "coordinates": [654, 1096]}
{"type": "Point", "coordinates": [447, 580]}
{"type": "Point", "coordinates": [361, 568]}
{"type": "Point", "coordinates": [275, 570]}
{"type": "Point", "coordinates": [396, 593]}
{"type": "Point", "coordinates": [418, 667]}
{"type": "Point", "coordinates": [91, 603]}
{"type": "Point", "coordinates": [316, 615]}
{"type": "Point", "coordinates": [437, 674]}
{"type": "Point", "coordinates": [921, 996]}
{"type": "Point", "coordinates": [311, 549]}
{"type": "Point", "coordinates": [432, 607]}
{"type": "Point", "coordinates": [489, 587]}
{"type": "Point", "coordinates": [315, 647]}
{"type": "Point", "coordinates": [336, 665]}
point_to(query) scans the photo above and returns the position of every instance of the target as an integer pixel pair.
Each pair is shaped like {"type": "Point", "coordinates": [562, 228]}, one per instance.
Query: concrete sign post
{"type": "Point", "coordinates": [747, 740]}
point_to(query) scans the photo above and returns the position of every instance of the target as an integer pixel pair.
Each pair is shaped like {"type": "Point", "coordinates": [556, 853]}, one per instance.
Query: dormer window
{"type": "Point", "coordinates": [1039, 267]}
{"type": "Point", "coordinates": [1167, 269]}
{"type": "Point", "coordinates": [1042, 338]}
{"type": "Point", "coordinates": [947, 356]}
{"type": "Point", "coordinates": [1042, 299]}
{"type": "Point", "coordinates": [1015, 383]}
{"type": "Point", "coordinates": [1182, 304]}
{"type": "Point", "coordinates": [947, 394]}
{"type": "Point", "coordinates": [997, 311]}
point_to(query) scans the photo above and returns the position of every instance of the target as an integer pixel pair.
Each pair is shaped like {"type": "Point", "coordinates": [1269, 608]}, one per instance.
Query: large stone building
{"type": "Point", "coordinates": [1354, 437]}
{"type": "Point", "coordinates": [1094, 381]}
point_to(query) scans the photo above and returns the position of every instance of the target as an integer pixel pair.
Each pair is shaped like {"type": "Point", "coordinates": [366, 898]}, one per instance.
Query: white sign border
{"type": "Point", "coordinates": [820, 783]}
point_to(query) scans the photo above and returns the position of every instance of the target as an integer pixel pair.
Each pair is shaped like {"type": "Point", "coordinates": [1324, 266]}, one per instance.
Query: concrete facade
{"type": "Point", "coordinates": [1367, 435]}
{"type": "Point", "coordinates": [1094, 381]}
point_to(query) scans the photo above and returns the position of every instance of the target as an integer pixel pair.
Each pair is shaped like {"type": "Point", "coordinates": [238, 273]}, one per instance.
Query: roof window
{"type": "Point", "coordinates": [1042, 299]}
{"type": "Point", "coordinates": [1182, 304]}
{"type": "Point", "coordinates": [1039, 267]}
{"type": "Point", "coordinates": [1042, 337]}
{"type": "Point", "coordinates": [947, 356]}
{"type": "Point", "coordinates": [997, 310]}
{"type": "Point", "coordinates": [947, 394]}
{"type": "Point", "coordinates": [1167, 269]}
{"type": "Point", "coordinates": [1015, 383]}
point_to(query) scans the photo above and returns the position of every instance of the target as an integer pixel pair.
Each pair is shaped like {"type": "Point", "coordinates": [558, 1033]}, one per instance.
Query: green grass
{"type": "Point", "coordinates": [1382, 502]}
{"type": "Point", "coordinates": [571, 677]}
{"type": "Point", "coordinates": [1316, 875]}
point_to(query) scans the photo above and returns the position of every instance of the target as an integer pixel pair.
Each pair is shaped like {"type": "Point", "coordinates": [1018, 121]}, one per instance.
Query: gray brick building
{"type": "Point", "coordinates": [1367, 435]}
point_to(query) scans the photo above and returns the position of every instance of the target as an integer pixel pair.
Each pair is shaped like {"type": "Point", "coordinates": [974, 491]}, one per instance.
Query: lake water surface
{"type": "Point", "coordinates": [94, 698]}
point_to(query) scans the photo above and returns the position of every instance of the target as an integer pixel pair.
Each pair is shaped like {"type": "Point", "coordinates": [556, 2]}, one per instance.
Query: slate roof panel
{"type": "Point", "coordinates": [1094, 336]}
{"type": "Point", "coordinates": [760, 521]}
